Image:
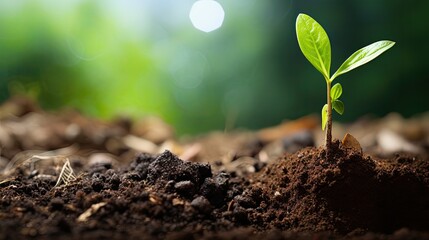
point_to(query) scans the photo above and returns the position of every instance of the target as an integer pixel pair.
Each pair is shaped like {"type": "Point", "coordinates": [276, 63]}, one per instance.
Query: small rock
{"type": "Point", "coordinates": [185, 188]}
{"type": "Point", "coordinates": [202, 204]}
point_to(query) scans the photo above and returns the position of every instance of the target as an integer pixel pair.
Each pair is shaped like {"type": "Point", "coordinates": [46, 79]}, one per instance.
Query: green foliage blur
{"type": "Point", "coordinates": [137, 58]}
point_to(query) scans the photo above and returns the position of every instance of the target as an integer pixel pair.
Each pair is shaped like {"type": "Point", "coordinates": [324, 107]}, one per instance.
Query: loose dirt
{"type": "Point", "coordinates": [122, 193]}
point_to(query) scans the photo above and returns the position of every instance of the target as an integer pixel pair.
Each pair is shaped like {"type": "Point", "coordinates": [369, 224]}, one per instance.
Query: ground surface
{"type": "Point", "coordinates": [134, 179]}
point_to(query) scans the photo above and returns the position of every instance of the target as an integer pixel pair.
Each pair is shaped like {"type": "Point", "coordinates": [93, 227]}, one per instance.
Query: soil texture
{"type": "Point", "coordinates": [119, 184]}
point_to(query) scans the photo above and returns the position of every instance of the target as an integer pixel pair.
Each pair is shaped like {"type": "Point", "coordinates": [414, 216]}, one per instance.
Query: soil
{"type": "Point", "coordinates": [209, 192]}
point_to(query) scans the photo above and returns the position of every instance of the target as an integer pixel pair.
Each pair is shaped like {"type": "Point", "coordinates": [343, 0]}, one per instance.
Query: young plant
{"type": "Point", "coordinates": [316, 47]}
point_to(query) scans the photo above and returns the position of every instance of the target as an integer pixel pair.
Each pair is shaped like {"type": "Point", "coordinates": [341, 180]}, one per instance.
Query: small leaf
{"type": "Point", "coordinates": [314, 43]}
{"type": "Point", "coordinates": [338, 106]}
{"type": "Point", "coordinates": [336, 91]}
{"type": "Point", "coordinates": [324, 116]}
{"type": "Point", "coordinates": [362, 56]}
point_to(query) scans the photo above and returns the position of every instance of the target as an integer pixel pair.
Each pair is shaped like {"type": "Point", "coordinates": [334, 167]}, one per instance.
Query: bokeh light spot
{"type": "Point", "coordinates": [207, 15]}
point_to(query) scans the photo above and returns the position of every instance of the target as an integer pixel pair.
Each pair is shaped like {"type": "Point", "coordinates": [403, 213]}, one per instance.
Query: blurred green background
{"type": "Point", "coordinates": [140, 58]}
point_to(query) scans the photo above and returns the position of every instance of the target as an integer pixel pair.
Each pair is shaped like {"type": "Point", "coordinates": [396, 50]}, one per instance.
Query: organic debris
{"type": "Point", "coordinates": [66, 174]}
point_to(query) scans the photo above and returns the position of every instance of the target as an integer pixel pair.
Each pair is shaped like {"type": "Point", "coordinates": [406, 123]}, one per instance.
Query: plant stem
{"type": "Point", "coordinates": [328, 136]}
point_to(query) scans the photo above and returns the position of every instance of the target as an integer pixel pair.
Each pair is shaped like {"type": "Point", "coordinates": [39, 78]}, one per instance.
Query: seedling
{"type": "Point", "coordinates": [316, 47]}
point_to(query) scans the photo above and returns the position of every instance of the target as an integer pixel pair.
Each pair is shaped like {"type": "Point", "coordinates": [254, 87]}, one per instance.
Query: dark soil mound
{"type": "Point", "coordinates": [153, 197]}
{"type": "Point", "coordinates": [347, 192]}
{"type": "Point", "coordinates": [303, 196]}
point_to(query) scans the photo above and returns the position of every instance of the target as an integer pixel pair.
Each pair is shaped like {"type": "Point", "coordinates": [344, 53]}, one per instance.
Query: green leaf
{"type": "Point", "coordinates": [324, 116]}
{"type": "Point", "coordinates": [338, 106]}
{"type": "Point", "coordinates": [314, 43]}
{"type": "Point", "coordinates": [336, 91]}
{"type": "Point", "coordinates": [362, 56]}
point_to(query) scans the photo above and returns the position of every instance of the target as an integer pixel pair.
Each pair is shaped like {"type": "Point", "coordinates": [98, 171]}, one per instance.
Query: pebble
{"type": "Point", "coordinates": [186, 188]}
{"type": "Point", "coordinates": [202, 204]}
